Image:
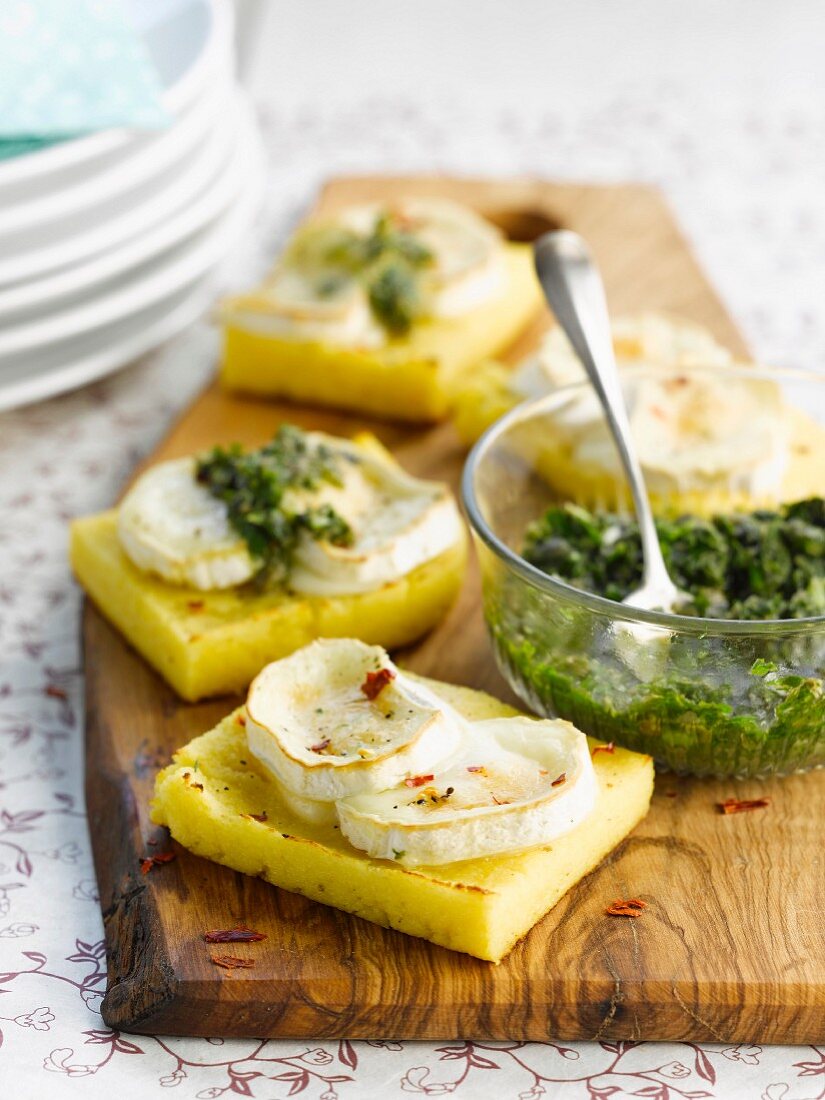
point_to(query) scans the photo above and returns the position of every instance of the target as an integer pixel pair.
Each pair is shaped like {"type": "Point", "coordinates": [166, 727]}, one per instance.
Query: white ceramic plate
{"type": "Point", "coordinates": [97, 231]}
{"type": "Point", "coordinates": [92, 360]}
{"type": "Point", "coordinates": [186, 47]}
{"type": "Point", "coordinates": [52, 291]}
{"type": "Point", "coordinates": [152, 283]}
{"type": "Point", "coordinates": [30, 378]}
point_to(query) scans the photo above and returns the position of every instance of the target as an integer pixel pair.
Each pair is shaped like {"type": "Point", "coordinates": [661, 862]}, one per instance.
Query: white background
{"type": "Point", "coordinates": [541, 54]}
{"type": "Point", "coordinates": [721, 102]}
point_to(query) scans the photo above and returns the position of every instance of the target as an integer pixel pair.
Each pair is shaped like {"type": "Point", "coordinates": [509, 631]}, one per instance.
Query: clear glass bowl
{"type": "Point", "coordinates": [702, 696]}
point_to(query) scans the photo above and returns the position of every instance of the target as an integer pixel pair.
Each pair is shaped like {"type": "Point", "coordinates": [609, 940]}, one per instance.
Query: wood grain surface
{"type": "Point", "coordinates": [731, 945]}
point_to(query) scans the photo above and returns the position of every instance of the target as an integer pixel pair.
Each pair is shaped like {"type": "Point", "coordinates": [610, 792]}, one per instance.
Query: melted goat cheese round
{"type": "Point", "coordinates": [467, 267]}
{"type": "Point", "coordinates": [173, 527]}
{"type": "Point", "coordinates": [337, 718]}
{"type": "Point", "coordinates": [290, 305]}
{"type": "Point", "coordinates": [649, 338]}
{"type": "Point", "coordinates": [691, 433]}
{"type": "Point", "coordinates": [398, 522]}
{"type": "Point", "coordinates": [512, 784]}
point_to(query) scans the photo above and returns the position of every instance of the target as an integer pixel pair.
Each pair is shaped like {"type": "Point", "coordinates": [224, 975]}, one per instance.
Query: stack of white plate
{"type": "Point", "coordinates": [110, 244]}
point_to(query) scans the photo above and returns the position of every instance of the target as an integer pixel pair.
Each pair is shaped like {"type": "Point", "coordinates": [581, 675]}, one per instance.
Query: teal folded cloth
{"type": "Point", "coordinates": [72, 67]}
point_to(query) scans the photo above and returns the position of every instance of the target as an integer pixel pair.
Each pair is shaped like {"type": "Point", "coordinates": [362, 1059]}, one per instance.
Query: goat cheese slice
{"type": "Point", "coordinates": [337, 718]}
{"type": "Point", "coordinates": [512, 784]}
{"type": "Point", "coordinates": [173, 527]}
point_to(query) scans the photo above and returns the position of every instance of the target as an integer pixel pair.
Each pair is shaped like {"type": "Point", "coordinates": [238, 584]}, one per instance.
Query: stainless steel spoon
{"type": "Point", "coordinates": [574, 291]}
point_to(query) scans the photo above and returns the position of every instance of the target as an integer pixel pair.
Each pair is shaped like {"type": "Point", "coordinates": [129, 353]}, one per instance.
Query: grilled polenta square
{"type": "Point", "coordinates": [478, 906]}
{"type": "Point", "coordinates": [382, 310]}
{"type": "Point", "coordinates": [200, 618]}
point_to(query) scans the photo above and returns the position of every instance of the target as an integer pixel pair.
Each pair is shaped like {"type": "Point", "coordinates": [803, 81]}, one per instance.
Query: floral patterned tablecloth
{"type": "Point", "coordinates": [760, 229]}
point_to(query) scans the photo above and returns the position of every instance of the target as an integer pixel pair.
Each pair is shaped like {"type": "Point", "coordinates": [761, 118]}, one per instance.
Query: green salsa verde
{"type": "Point", "coordinates": [759, 565]}
{"type": "Point", "coordinates": [253, 486]}
{"type": "Point", "coordinates": [699, 700]}
{"type": "Point", "coordinates": [387, 260]}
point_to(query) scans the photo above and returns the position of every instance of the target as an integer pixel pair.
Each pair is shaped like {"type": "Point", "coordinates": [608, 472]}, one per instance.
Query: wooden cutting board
{"type": "Point", "coordinates": [731, 946]}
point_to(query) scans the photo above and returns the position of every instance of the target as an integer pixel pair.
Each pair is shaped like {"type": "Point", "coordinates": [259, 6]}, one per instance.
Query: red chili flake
{"type": "Point", "coordinates": [741, 805]}
{"type": "Point", "coordinates": [55, 692]}
{"type": "Point", "coordinates": [239, 934]}
{"type": "Point", "coordinates": [195, 605]}
{"type": "Point", "coordinates": [257, 817]}
{"type": "Point", "coordinates": [609, 748]}
{"type": "Point", "coordinates": [241, 719]}
{"type": "Point", "coordinates": [149, 862]}
{"type": "Point", "coordinates": [376, 682]}
{"type": "Point", "coordinates": [320, 746]}
{"type": "Point", "coordinates": [561, 779]}
{"type": "Point", "coordinates": [631, 908]}
{"type": "Point", "coordinates": [232, 962]}
{"type": "Point", "coordinates": [477, 768]}
{"type": "Point", "coordinates": [418, 780]}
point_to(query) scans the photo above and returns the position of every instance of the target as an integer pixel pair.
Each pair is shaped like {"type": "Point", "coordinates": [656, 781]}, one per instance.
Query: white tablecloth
{"type": "Point", "coordinates": [748, 186]}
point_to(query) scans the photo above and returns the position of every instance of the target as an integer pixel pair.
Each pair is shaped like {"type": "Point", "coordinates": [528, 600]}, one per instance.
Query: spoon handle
{"type": "Point", "coordinates": [575, 292]}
